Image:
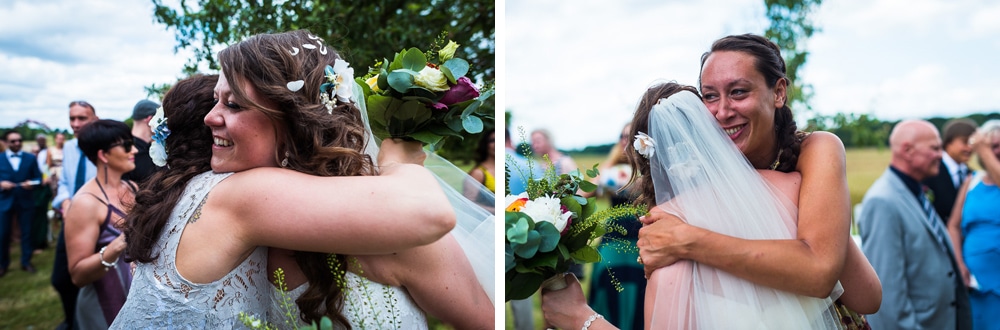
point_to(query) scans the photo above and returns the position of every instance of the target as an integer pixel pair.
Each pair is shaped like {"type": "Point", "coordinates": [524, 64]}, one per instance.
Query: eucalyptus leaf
{"type": "Point", "coordinates": [472, 124]}
{"type": "Point", "coordinates": [447, 74]}
{"type": "Point", "coordinates": [549, 236]}
{"type": "Point", "coordinates": [400, 81]}
{"type": "Point", "coordinates": [508, 258]}
{"type": "Point", "coordinates": [426, 137]}
{"type": "Point", "coordinates": [517, 230]}
{"type": "Point", "coordinates": [414, 59]}
{"type": "Point", "coordinates": [587, 186]}
{"type": "Point", "coordinates": [529, 247]}
{"type": "Point", "coordinates": [473, 106]}
{"type": "Point", "coordinates": [522, 285]}
{"type": "Point", "coordinates": [458, 67]}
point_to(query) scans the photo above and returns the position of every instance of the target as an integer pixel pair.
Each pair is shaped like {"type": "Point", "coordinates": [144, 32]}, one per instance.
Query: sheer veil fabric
{"type": "Point", "coordinates": [474, 226]}
{"type": "Point", "coordinates": [699, 175]}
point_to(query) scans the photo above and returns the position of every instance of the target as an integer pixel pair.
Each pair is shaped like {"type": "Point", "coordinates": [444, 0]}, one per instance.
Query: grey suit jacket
{"type": "Point", "coordinates": [921, 288]}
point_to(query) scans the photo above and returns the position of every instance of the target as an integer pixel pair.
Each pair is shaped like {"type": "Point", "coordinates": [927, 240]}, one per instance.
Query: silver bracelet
{"type": "Point", "coordinates": [590, 320]}
{"type": "Point", "coordinates": [107, 265]}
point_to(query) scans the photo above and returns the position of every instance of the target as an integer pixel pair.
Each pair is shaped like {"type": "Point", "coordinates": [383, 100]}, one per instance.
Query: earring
{"type": "Point", "coordinates": [284, 162]}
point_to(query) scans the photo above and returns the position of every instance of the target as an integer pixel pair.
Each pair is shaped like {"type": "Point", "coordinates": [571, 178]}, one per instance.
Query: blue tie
{"type": "Point", "coordinates": [81, 172]}
{"type": "Point", "coordinates": [936, 227]}
{"type": "Point", "coordinates": [16, 155]}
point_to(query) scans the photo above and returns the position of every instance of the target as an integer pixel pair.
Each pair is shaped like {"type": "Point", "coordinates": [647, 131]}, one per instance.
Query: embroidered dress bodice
{"type": "Point", "coordinates": [367, 305]}
{"type": "Point", "coordinates": [161, 298]}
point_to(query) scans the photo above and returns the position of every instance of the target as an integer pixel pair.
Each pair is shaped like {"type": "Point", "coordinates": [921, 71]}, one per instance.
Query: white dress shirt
{"type": "Point", "coordinates": [953, 169]}
{"type": "Point", "coordinates": [15, 162]}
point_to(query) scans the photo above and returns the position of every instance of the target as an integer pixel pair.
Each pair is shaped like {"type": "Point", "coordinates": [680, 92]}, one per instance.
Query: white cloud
{"type": "Point", "coordinates": [105, 52]}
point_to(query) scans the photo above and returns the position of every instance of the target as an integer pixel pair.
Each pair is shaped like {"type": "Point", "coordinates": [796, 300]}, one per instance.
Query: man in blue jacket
{"type": "Point", "coordinates": [19, 173]}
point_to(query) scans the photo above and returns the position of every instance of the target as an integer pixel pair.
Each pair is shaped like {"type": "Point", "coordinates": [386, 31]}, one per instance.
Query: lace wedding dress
{"type": "Point", "coordinates": [160, 298]}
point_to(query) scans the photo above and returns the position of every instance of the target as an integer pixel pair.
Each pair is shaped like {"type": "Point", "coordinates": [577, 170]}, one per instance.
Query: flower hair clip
{"type": "Point", "coordinates": [158, 150]}
{"type": "Point", "coordinates": [340, 83]}
{"type": "Point", "coordinates": [644, 144]}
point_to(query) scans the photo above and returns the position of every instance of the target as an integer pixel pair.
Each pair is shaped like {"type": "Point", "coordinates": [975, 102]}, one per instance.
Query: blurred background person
{"type": "Point", "coordinates": [543, 146]}
{"type": "Point", "coordinates": [618, 252]}
{"type": "Point", "coordinates": [142, 135]}
{"type": "Point", "coordinates": [94, 243]}
{"type": "Point", "coordinates": [484, 171]}
{"type": "Point", "coordinates": [520, 169]}
{"type": "Point", "coordinates": [954, 165]}
{"type": "Point", "coordinates": [43, 196]}
{"type": "Point", "coordinates": [76, 171]}
{"type": "Point", "coordinates": [19, 174]}
{"type": "Point", "coordinates": [975, 228]}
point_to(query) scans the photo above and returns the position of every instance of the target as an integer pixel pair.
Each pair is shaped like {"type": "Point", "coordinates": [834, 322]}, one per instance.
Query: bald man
{"type": "Point", "coordinates": [906, 241]}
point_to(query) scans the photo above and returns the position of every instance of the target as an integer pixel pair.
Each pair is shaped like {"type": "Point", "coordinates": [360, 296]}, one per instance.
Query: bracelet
{"type": "Point", "coordinates": [590, 320]}
{"type": "Point", "coordinates": [107, 265]}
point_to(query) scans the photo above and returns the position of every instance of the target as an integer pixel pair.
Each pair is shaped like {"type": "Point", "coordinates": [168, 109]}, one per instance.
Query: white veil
{"type": "Point", "coordinates": [474, 227]}
{"type": "Point", "coordinates": [700, 175]}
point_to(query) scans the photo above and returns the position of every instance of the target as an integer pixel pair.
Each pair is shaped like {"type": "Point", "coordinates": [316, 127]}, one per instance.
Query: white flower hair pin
{"type": "Point", "coordinates": [644, 144]}
{"type": "Point", "coordinates": [158, 150]}
{"type": "Point", "coordinates": [340, 83]}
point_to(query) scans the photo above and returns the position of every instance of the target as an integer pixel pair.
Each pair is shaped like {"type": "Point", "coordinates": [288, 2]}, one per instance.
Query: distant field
{"type": "Point", "coordinates": [863, 167]}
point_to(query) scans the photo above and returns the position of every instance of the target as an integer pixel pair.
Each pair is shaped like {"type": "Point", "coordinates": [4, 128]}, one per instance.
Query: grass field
{"type": "Point", "coordinates": [863, 167]}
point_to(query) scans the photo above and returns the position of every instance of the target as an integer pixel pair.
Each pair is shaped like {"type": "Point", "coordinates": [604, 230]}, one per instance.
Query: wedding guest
{"type": "Point", "coordinates": [541, 143]}
{"type": "Point", "coordinates": [618, 254]}
{"type": "Point", "coordinates": [974, 229]}
{"type": "Point", "coordinates": [954, 167]}
{"type": "Point", "coordinates": [94, 244]}
{"type": "Point", "coordinates": [744, 85]}
{"type": "Point", "coordinates": [263, 121]}
{"type": "Point", "coordinates": [485, 170]}
{"type": "Point", "coordinates": [142, 112]}
{"type": "Point", "coordinates": [43, 197]}
{"type": "Point", "coordinates": [906, 241]}
{"type": "Point", "coordinates": [76, 171]}
{"type": "Point", "coordinates": [520, 169]}
{"type": "Point", "coordinates": [672, 117]}
{"type": "Point", "coordinates": [19, 176]}
{"type": "Point", "coordinates": [55, 157]}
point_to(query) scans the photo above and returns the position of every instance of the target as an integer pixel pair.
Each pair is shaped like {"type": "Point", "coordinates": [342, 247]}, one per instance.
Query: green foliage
{"type": "Point", "coordinates": [360, 30]}
{"type": "Point", "coordinates": [790, 28]}
{"type": "Point", "coordinates": [535, 249]}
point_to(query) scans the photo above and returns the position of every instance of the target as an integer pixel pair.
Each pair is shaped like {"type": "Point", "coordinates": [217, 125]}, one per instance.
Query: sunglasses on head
{"type": "Point", "coordinates": [81, 103]}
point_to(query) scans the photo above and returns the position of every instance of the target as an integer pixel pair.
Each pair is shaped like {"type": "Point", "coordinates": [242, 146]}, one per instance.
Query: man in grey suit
{"type": "Point", "coordinates": [906, 241]}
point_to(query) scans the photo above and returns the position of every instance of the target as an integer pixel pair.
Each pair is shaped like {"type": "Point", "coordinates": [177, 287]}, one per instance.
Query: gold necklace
{"type": "Point", "coordinates": [777, 160]}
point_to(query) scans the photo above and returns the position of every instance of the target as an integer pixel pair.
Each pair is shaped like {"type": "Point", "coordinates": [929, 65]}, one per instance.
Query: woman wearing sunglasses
{"type": "Point", "coordinates": [94, 243]}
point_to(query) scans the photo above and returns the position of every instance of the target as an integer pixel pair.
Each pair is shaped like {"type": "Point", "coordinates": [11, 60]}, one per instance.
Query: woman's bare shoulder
{"type": "Point", "coordinates": [788, 184]}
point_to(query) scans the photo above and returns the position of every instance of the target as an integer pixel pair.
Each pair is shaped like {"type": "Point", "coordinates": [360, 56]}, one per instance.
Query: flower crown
{"type": "Point", "coordinates": [158, 150]}
{"type": "Point", "coordinates": [339, 77]}
{"type": "Point", "coordinates": [644, 144]}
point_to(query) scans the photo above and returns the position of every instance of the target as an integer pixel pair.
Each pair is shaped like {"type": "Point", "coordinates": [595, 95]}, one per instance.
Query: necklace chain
{"type": "Point", "coordinates": [777, 160]}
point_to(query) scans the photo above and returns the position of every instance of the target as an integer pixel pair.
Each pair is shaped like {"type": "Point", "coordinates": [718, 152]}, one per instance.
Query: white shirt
{"type": "Point", "coordinates": [15, 162]}
{"type": "Point", "coordinates": [953, 168]}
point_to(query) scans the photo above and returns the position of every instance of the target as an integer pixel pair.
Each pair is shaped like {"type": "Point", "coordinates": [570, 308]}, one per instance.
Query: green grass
{"type": "Point", "coordinates": [28, 300]}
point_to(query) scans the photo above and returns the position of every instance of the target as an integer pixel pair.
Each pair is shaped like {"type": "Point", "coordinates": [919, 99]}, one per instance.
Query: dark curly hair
{"type": "Point", "coordinates": [641, 180]}
{"type": "Point", "coordinates": [768, 61]}
{"type": "Point", "coordinates": [317, 140]}
{"type": "Point", "coordinates": [189, 153]}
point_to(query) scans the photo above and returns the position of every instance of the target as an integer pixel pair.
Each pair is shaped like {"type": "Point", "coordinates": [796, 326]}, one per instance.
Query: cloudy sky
{"type": "Point", "coordinates": [577, 68]}
{"type": "Point", "coordinates": [56, 51]}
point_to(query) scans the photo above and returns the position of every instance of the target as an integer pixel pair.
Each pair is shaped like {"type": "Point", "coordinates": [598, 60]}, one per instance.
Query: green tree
{"type": "Point", "coordinates": [362, 31]}
{"type": "Point", "coordinates": [790, 28]}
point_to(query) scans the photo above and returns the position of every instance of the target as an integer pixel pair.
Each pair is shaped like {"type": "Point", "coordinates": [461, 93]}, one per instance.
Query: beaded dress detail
{"type": "Point", "coordinates": [161, 298]}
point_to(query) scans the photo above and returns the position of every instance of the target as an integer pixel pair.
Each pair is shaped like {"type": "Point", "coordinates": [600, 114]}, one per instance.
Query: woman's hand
{"type": "Point", "coordinates": [663, 239]}
{"type": "Point", "coordinates": [395, 151]}
{"type": "Point", "coordinates": [566, 308]}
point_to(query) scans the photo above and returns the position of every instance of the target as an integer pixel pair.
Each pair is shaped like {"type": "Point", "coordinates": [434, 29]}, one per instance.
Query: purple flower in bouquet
{"type": "Point", "coordinates": [462, 91]}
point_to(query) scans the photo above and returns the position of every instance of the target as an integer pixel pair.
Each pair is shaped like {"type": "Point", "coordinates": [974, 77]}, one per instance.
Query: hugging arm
{"type": "Point", "coordinates": [349, 215]}
{"type": "Point", "coordinates": [440, 279]}
{"type": "Point", "coordinates": [818, 251]}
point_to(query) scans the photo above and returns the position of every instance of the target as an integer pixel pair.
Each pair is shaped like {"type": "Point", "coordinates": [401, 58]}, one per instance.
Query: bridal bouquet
{"type": "Point", "coordinates": [423, 96]}
{"type": "Point", "coordinates": [550, 226]}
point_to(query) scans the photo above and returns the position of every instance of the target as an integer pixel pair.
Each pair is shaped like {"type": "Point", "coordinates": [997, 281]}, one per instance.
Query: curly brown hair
{"type": "Point", "coordinates": [768, 61]}
{"type": "Point", "coordinates": [641, 180]}
{"type": "Point", "coordinates": [318, 141]}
